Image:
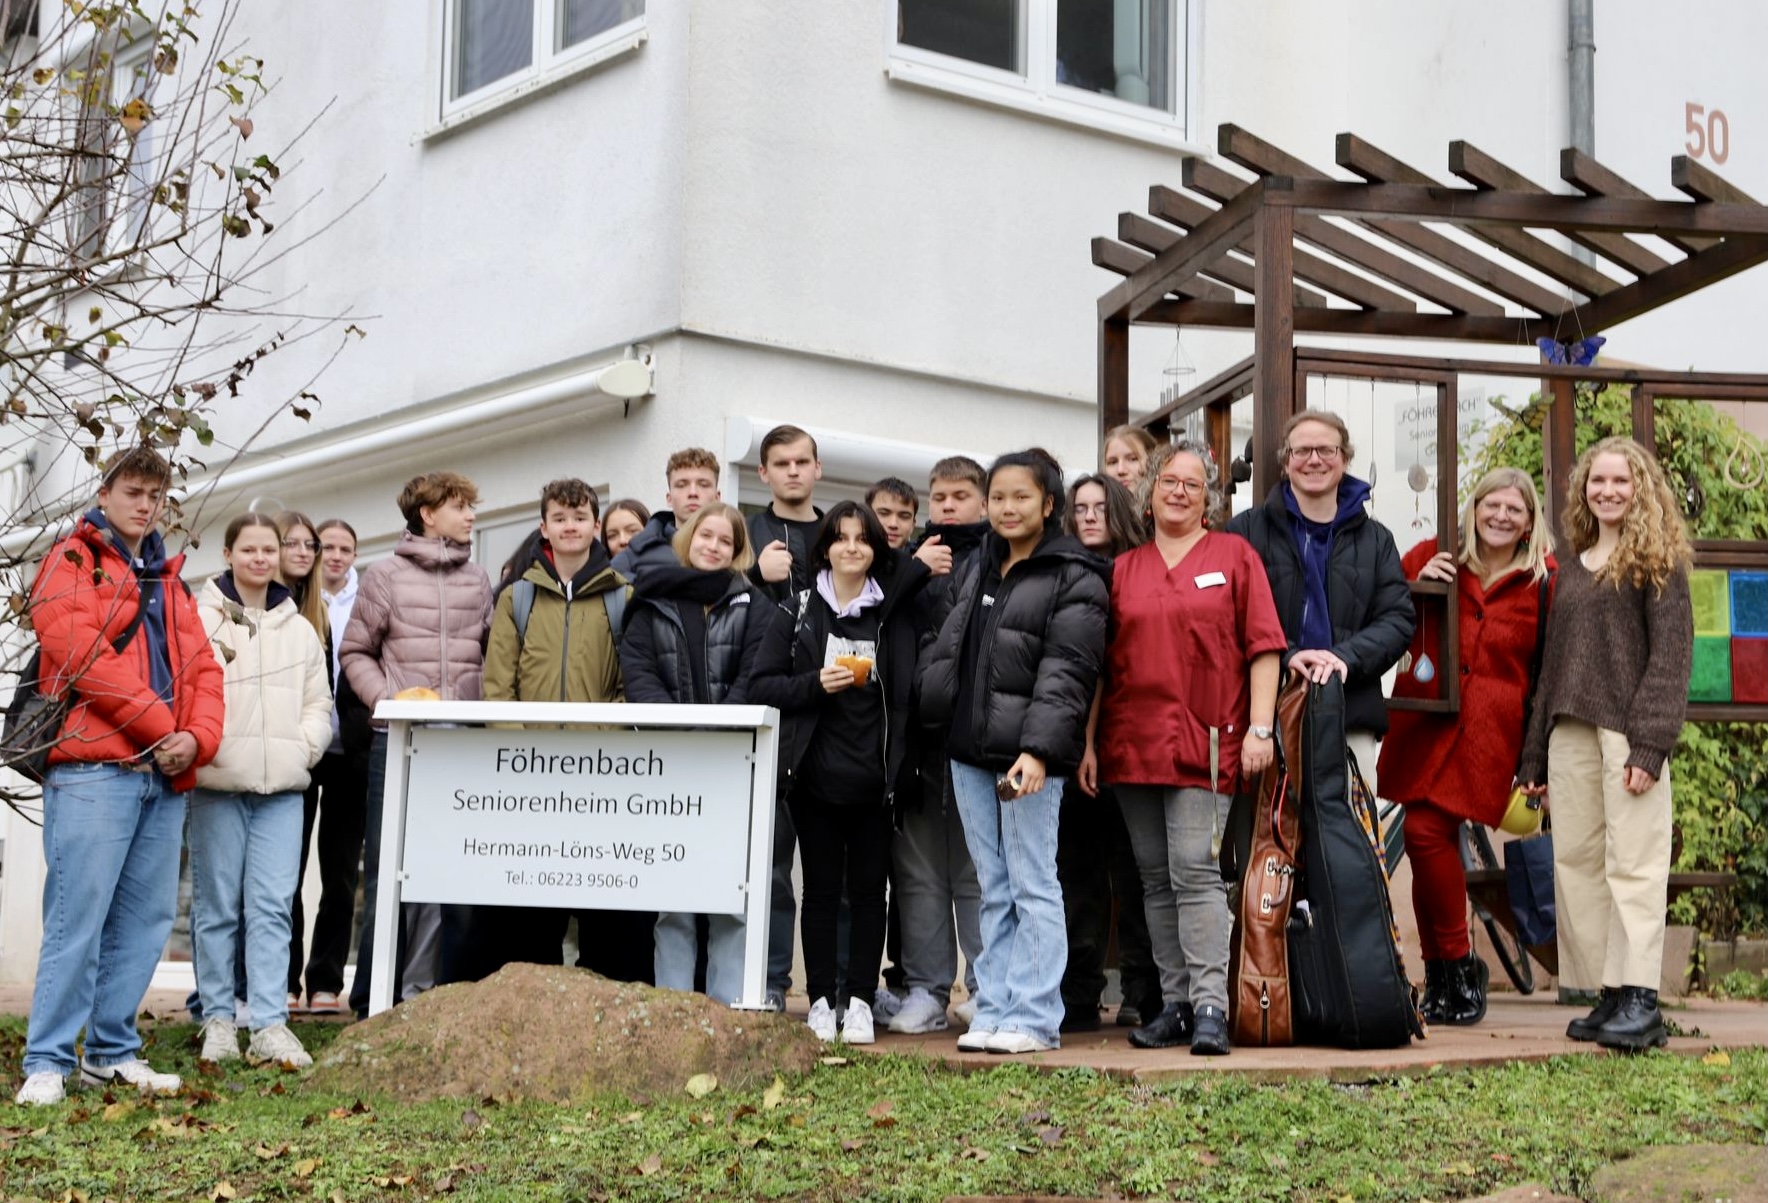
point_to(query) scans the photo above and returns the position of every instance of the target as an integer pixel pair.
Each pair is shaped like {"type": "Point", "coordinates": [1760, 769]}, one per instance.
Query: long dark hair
{"type": "Point", "coordinates": [1122, 522]}
{"type": "Point", "coordinates": [517, 564]}
{"type": "Point", "coordinates": [829, 531]}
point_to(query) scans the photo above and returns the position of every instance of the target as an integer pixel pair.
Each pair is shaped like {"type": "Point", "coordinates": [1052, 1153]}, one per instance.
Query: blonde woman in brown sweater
{"type": "Point", "coordinates": [1609, 707]}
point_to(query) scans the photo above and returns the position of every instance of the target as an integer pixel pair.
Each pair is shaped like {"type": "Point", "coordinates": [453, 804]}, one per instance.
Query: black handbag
{"type": "Point", "coordinates": [1528, 875]}
{"type": "Point", "coordinates": [34, 718]}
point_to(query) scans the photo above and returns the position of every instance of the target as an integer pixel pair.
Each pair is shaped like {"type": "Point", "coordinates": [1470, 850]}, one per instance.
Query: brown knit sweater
{"type": "Point", "coordinates": [1617, 657]}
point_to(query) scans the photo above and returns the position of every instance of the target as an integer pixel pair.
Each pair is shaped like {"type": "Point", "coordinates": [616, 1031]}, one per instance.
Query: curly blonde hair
{"type": "Point", "coordinates": [1654, 540]}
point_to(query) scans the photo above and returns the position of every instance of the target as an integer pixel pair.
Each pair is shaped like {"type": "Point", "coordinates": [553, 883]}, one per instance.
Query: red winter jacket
{"type": "Point", "coordinates": [1465, 763]}
{"type": "Point", "coordinates": [84, 596]}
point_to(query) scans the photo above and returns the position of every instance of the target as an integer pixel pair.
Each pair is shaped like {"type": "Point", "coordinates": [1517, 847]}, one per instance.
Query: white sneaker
{"type": "Point", "coordinates": [966, 1011]}
{"type": "Point", "coordinates": [220, 1041]}
{"type": "Point", "coordinates": [136, 1073]}
{"type": "Point", "coordinates": [1017, 1042]}
{"type": "Point", "coordinates": [857, 1027]}
{"type": "Point", "coordinates": [975, 1040]}
{"type": "Point", "coordinates": [45, 1088]}
{"type": "Point", "coordinates": [277, 1045]}
{"type": "Point", "coordinates": [885, 1005]}
{"type": "Point", "coordinates": [822, 1020]}
{"type": "Point", "coordinates": [920, 1012]}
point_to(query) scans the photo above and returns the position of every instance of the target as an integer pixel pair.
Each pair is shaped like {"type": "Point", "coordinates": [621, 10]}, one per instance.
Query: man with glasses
{"type": "Point", "coordinates": [1335, 574]}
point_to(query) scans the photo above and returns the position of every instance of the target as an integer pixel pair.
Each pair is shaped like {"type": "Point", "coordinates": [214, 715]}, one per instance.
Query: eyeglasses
{"type": "Point", "coordinates": [1168, 484]}
{"type": "Point", "coordinates": [306, 545]}
{"type": "Point", "coordinates": [1325, 454]}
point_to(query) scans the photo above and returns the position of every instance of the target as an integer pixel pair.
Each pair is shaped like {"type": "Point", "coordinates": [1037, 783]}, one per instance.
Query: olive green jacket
{"type": "Point", "coordinates": [569, 653]}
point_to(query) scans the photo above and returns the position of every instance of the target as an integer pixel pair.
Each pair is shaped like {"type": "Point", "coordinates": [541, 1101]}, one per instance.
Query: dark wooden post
{"type": "Point", "coordinates": [1273, 339]}
{"type": "Point", "coordinates": [1114, 377]}
{"type": "Point", "coordinates": [1559, 446]}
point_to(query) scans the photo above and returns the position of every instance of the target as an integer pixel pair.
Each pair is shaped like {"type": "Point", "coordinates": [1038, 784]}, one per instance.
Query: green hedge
{"type": "Point", "coordinates": [1720, 770]}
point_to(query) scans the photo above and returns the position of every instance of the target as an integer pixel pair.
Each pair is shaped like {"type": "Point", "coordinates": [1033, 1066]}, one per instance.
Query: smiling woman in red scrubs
{"type": "Point", "coordinates": [1191, 696]}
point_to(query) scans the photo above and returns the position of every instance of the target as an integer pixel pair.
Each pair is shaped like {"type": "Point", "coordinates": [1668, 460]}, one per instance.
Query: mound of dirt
{"type": "Point", "coordinates": [548, 1032]}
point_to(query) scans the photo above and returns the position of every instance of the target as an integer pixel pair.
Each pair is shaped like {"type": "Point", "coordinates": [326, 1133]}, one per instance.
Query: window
{"type": "Point", "coordinates": [120, 171]}
{"type": "Point", "coordinates": [1119, 64]}
{"type": "Point", "coordinates": [498, 45]}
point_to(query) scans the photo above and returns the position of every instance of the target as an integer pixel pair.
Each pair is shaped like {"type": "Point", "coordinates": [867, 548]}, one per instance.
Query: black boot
{"type": "Point", "coordinates": [1211, 1039]}
{"type": "Point", "coordinates": [1436, 982]}
{"type": "Point", "coordinates": [1637, 1024]}
{"type": "Point", "coordinates": [1586, 1027]}
{"type": "Point", "coordinates": [1172, 1027]}
{"type": "Point", "coordinates": [1464, 991]}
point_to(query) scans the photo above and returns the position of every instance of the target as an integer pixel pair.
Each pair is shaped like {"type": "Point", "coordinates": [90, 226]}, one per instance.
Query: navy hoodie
{"type": "Point", "coordinates": [1313, 542]}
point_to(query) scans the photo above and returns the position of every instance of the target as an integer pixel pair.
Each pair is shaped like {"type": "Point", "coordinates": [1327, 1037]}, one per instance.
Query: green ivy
{"type": "Point", "coordinates": [1720, 769]}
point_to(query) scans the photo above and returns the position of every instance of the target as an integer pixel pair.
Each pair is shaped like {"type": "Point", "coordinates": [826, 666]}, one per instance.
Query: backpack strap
{"type": "Point", "coordinates": [614, 602]}
{"type": "Point", "coordinates": [521, 606]}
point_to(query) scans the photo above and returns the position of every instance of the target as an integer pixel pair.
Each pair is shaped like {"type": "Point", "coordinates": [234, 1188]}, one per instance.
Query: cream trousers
{"type": "Point", "coordinates": [1611, 860]}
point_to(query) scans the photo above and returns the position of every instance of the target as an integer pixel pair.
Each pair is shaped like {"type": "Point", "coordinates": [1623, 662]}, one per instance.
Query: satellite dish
{"type": "Point", "coordinates": [629, 378]}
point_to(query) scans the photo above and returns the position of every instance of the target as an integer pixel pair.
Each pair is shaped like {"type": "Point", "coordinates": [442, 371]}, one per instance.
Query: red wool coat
{"type": "Point", "coordinates": [1465, 763]}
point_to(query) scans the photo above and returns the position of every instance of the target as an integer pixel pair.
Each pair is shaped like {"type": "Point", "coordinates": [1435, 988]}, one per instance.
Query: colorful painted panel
{"type": "Point", "coordinates": [1749, 603]}
{"type": "Point", "coordinates": [1730, 636]}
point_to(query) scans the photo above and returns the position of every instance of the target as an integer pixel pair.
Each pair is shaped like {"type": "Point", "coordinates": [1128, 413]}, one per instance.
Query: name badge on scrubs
{"type": "Point", "coordinates": [1211, 578]}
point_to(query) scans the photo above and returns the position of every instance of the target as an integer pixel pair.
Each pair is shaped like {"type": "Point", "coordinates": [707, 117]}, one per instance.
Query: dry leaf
{"type": "Point", "coordinates": [848, 1146]}
{"type": "Point", "coordinates": [223, 1190]}
{"type": "Point", "coordinates": [774, 1095]}
{"type": "Point", "coordinates": [651, 1164]}
{"type": "Point", "coordinates": [116, 1111]}
{"type": "Point", "coordinates": [445, 1184]}
{"type": "Point", "coordinates": [972, 1153]}
{"type": "Point", "coordinates": [701, 1085]}
{"type": "Point", "coordinates": [304, 1168]}
{"type": "Point", "coordinates": [632, 1117]}
{"type": "Point", "coordinates": [880, 1109]}
{"type": "Point", "coordinates": [1716, 1057]}
{"type": "Point", "coordinates": [833, 1060]}
{"type": "Point", "coordinates": [1051, 1135]}
{"type": "Point", "coordinates": [134, 117]}
{"type": "Point", "coordinates": [1208, 1158]}
{"type": "Point", "coordinates": [244, 125]}
{"type": "Point", "coordinates": [471, 1118]}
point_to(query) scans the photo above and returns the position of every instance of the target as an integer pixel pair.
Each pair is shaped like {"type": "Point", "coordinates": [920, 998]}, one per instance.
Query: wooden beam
{"type": "Point", "coordinates": [1559, 451]}
{"type": "Point", "coordinates": [1359, 290]}
{"type": "Point", "coordinates": [1124, 260]}
{"type": "Point", "coordinates": [1708, 386]}
{"type": "Point", "coordinates": [1309, 319]}
{"type": "Point", "coordinates": [1593, 179]}
{"type": "Point", "coordinates": [1694, 273]}
{"type": "Point", "coordinates": [1463, 206]}
{"type": "Point", "coordinates": [1273, 337]}
{"type": "Point", "coordinates": [1114, 376]}
{"type": "Point", "coordinates": [1484, 172]}
{"type": "Point", "coordinates": [1208, 242]}
{"type": "Point", "coordinates": [1261, 156]}
{"type": "Point", "coordinates": [1211, 181]}
{"type": "Point", "coordinates": [1154, 237]}
{"type": "Point", "coordinates": [1705, 185]}
{"type": "Point", "coordinates": [1187, 214]}
{"type": "Point", "coordinates": [1379, 167]}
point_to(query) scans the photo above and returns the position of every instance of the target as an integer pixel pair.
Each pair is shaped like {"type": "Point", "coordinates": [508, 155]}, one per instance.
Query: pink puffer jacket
{"type": "Point", "coordinates": [420, 619]}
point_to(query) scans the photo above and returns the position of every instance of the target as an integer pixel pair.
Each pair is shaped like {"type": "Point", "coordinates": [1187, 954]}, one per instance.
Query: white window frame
{"type": "Point", "coordinates": [546, 68]}
{"type": "Point", "coordinates": [1036, 91]}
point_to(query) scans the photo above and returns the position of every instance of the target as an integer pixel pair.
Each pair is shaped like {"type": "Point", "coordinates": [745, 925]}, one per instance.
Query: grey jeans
{"type": "Point", "coordinates": [937, 897]}
{"type": "Point", "coordinates": [1171, 831]}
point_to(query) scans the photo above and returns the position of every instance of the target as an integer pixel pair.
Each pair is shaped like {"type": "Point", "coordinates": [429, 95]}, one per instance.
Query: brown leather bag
{"type": "Point", "coordinates": [1258, 963]}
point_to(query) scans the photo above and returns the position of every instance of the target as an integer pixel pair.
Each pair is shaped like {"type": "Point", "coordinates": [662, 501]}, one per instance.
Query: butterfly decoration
{"type": "Point", "coordinates": [1579, 352]}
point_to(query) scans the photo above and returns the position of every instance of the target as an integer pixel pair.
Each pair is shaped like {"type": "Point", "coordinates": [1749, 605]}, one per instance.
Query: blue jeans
{"type": "Point", "coordinates": [677, 947]}
{"type": "Point", "coordinates": [245, 862]}
{"type": "Point", "coordinates": [1024, 931]}
{"type": "Point", "coordinates": [111, 839]}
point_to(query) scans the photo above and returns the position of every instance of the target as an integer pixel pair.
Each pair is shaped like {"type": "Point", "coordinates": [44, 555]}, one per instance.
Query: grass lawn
{"type": "Point", "coordinates": [884, 1128]}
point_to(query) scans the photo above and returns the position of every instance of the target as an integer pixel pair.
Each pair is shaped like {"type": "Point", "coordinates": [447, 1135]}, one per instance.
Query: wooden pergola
{"type": "Point", "coordinates": [1395, 252]}
{"type": "Point", "coordinates": [1378, 268]}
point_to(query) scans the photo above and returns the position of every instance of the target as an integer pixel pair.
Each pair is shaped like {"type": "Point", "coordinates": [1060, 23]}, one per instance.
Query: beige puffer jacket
{"type": "Point", "coordinates": [420, 619]}
{"type": "Point", "coordinates": [278, 699]}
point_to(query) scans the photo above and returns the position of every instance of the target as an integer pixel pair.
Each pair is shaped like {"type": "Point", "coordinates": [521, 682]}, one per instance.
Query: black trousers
{"type": "Point", "coordinates": [836, 845]}
{"type": "Point", "coordinates": [477, 941]}
{"type": "Point", "coordinates": [1096, 866]}
{"type": "Point", "coordinates": [338, 801]}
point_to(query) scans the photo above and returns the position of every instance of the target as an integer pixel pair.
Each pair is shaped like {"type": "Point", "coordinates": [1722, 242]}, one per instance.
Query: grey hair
{"type": "Point", "coordinates": [1214, 500]}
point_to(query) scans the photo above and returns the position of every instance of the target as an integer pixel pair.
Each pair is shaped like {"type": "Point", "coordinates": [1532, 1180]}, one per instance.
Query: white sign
{"type": "Point", "coordinates": [585, 818]}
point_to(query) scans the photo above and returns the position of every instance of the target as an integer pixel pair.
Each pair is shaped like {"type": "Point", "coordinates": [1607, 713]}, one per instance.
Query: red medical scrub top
{"type": "Point", "coordinates": [1181, 645]}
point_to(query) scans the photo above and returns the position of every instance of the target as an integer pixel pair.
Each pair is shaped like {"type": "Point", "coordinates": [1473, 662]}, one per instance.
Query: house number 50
{"type": "Point", "coordinates": [1709, 133]}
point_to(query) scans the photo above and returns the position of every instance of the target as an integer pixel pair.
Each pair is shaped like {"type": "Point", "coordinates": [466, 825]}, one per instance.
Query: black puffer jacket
{"type": "Point", "coordinates": [1366, 595]}
{"type": "Point", "coordinates": [1042, 645]}
{"type": "Point", "coordinates": [787, 674]}
{"type": "Point", "coordinates": [655, 648]}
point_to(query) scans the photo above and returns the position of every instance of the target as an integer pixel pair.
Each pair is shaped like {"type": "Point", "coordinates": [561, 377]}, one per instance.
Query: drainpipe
{"type": "Point", "coordinates": [1582, 21]}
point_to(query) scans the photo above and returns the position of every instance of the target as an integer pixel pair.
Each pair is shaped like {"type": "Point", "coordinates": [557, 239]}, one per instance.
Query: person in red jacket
{"type": "Point", "coordinates": [142, 718]}
{"type": "Point", "coordinates": [1447, 768]}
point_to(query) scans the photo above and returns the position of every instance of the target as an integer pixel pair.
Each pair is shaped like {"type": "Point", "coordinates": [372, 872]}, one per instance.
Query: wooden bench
{"type": "Point", "coordinates": [1489, 888]}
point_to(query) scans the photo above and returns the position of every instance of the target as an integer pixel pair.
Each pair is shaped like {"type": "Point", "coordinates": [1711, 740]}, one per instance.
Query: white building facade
{"type": "Point", "coordinates": [867, 217]}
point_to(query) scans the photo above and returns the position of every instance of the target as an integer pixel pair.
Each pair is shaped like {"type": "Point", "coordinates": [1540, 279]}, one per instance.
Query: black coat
{"type": "Point", "coordinates": [1367, 597]}
{"type": "Point", "coordinates": [1042, 647]}
{"type": "Point", "coordinates": [788, 669]}
{"type": "Point", "coordinates": [654, 647]}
